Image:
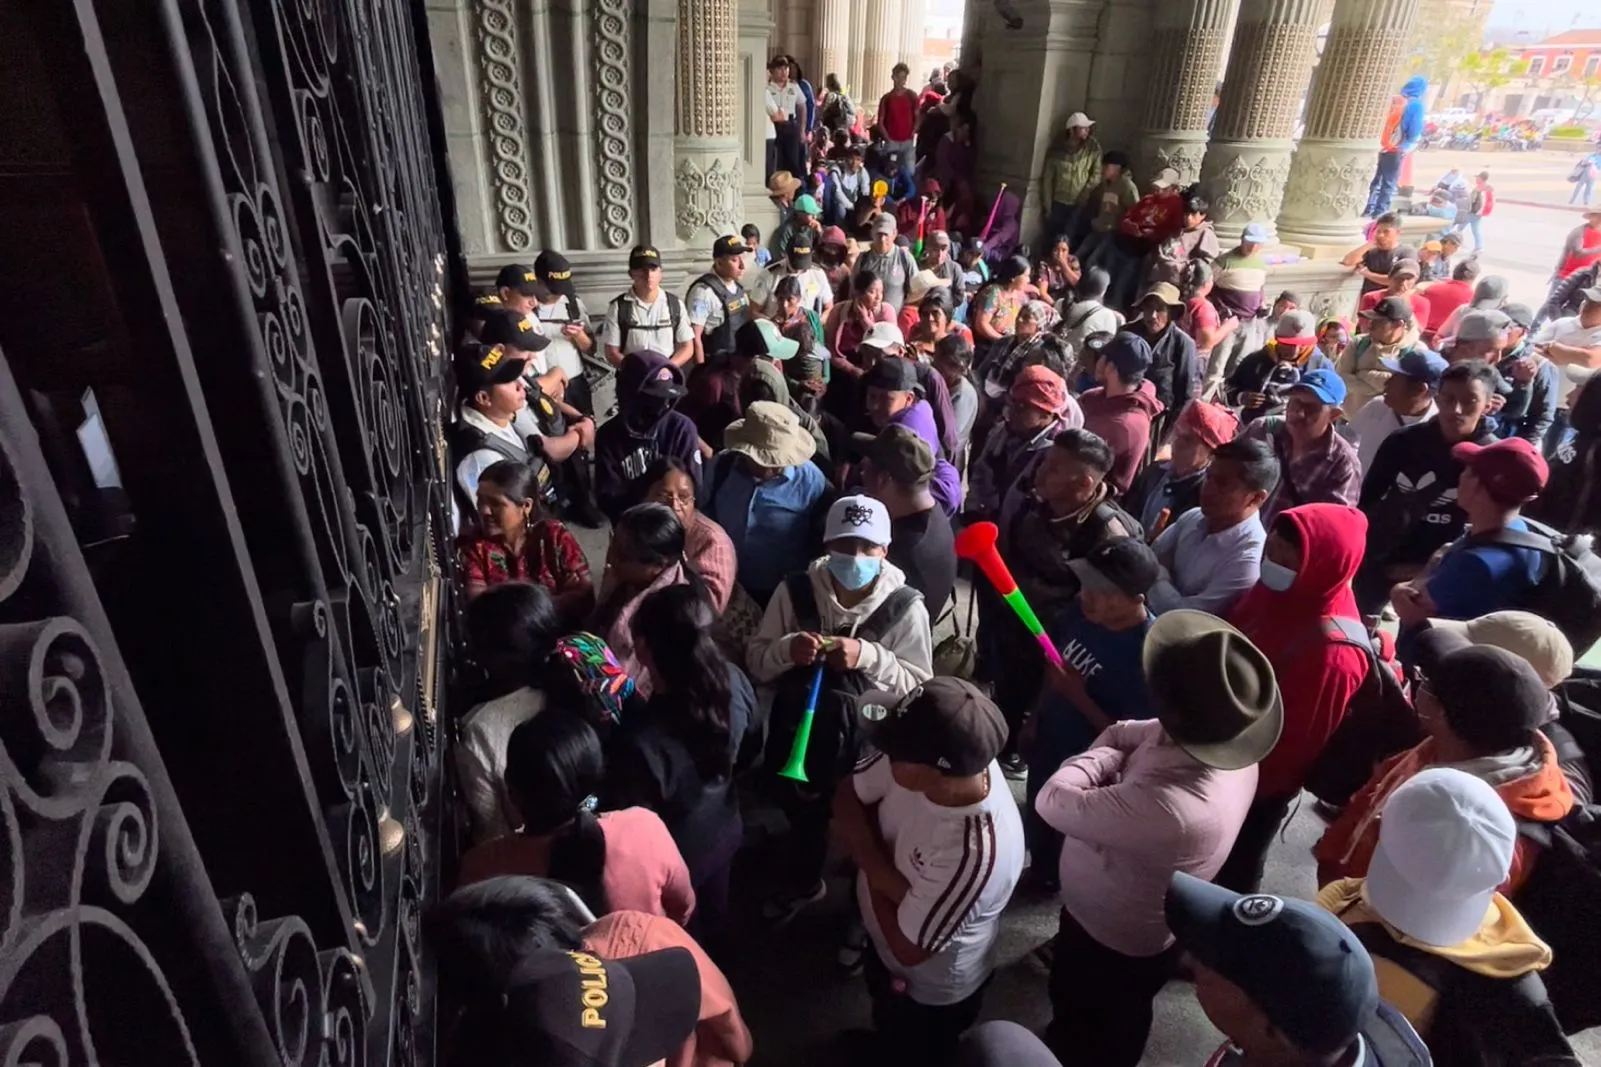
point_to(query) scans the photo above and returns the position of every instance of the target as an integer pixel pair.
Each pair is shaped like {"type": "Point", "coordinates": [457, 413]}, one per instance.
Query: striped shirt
{"type": "Point", "coordinates": [962, 863]}
{"type": "Point", "coordinates": [1239, 282]}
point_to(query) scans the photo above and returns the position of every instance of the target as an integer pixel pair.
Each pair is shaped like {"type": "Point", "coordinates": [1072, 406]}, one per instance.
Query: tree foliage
{"type": "Point", "coordinates": [1442, 40]}
{"type": "Point", "coordinates": [1489, 69]}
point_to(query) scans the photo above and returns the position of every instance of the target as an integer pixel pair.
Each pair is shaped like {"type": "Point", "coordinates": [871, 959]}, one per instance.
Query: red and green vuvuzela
{"type": "Point", "coordinates": [977, 543]}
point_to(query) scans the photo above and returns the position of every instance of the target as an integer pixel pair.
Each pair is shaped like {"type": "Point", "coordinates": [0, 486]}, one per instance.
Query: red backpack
{"type": "Point", "coordinates": [1489, 201]}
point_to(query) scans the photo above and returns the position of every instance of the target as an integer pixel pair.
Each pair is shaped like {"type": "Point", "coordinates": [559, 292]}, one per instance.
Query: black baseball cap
{"type": "Point", "coordinates": [945, 723]}
{"type": "Point", "coordinates": [1489, 697]}
{"type": "Point", "coordinates": [895, 374]}
{"type": "Point", "coordinates": [1299, 964]}
{"type": "Point", "coordinates": [574, 1009]}
{"type": "Point", "coordinates": [1125, 564]}
{"type": "Point", "coordinates": [482, 366]}
{"type": "Point", "coordinates": [512, 330]}
{"type": "Point", "coordinates": [1391, 309]}
{"type": "Point", "coordinates": [800, 249]}
{"type": "Point", "coordinates": [554, 273]}
{"type": "Point", "coordinates": [899, 452]}
{"type": "Point", "coordinates": [485, 305]}
{"type": "Point", "coordinates": [518, 277]}
{"type": "Point", "coordinates": [644, 256]}
{"type": "Point", "coordinates": [728, 246]}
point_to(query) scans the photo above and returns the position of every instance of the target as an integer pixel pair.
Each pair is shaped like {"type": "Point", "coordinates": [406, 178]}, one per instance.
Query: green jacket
{"type": "Point", "coordinates": [1068, 174]}
{"type": "Point", "coordinates": [1109, 201]}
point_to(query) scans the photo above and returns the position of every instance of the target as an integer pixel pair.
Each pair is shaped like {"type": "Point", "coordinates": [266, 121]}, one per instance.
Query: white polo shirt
{"type": "Point", "coordinates": [816, 294]}
{"type": "Point", "coordinates": [962, 863]}
{"type": "Point", "coordinates": [1569, 331]}
{"type": "Point", "coordinates": [653, 325]}
{"type": "Point", "coordinates": [549, 319]}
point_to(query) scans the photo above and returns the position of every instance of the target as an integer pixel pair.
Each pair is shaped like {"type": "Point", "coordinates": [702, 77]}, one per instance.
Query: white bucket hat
{"type": "Point", "coordinates": [771, 435]}
{"type": "Point", "coordinates": [1446, 841]}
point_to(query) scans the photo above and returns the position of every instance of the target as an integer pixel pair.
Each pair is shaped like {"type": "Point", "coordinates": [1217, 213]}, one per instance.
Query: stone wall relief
{"type": "Point", "coordinates": [1246, 188]}
{"type": "Point", "coordinates": [1334, 187]}
{"type": "Point", "coordinates": [1184, 157]}
{"type": "Point", "coordinates": [501, 95]}
{"type": "Point", "coordinates": [707, 197]}
{"type": "Point", "coordinates": [609, 38]}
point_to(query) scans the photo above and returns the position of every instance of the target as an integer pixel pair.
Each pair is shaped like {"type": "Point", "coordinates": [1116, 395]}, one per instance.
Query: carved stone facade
{"type": "Point", "coordinates": [708, 196]}
{"type": "Point", "coordinates": [914, 23]}
{"type": "Point", "coordinates": [1188, 46]}
{"type": "Point", "coordinates": [502, 93]}
{"type": "Point", "coordinates": [1351, 90]}
{"type": "Point", "coordinates": [1248, 160]}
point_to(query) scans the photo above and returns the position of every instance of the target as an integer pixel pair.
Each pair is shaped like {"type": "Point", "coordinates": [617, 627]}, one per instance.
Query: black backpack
{"type": "Point", "coordinates": [1569, 590]}
{"type": "Point", "coordinates": [834, 744]}
{"type": "Point", "coordinates": [626, 323]}
{"type": "Point", "coordinates": [1378, 723]}
{"type": "Point", "coordinates": [1476, 1021]}
{"type": "Point", "coordinates": [1561, 899]}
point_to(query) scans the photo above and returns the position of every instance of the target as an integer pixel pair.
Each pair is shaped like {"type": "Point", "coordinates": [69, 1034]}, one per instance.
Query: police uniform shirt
{"type": "Point", "coordinates": [816, 294]}
{"type": "Point", "coordinates": [652, 329]}
{"type": "Point", "coordinates": [550, 319]}
{"type": "Point", "coordinates": [473, 464]}
{"type": "Point", "coordinates": [706, 306]}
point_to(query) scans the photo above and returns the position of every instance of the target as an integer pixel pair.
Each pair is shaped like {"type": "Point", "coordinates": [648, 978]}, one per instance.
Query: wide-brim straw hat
{"type": "Point", "coordinates": [771, 435]}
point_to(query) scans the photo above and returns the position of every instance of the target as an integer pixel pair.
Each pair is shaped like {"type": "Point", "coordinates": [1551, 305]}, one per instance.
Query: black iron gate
{"type": "Point", "coordinates": [223, 268]}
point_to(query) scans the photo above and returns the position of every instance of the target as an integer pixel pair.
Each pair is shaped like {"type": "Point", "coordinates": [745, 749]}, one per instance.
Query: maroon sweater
{"type": "Point", "coordinates": [1124, 422]}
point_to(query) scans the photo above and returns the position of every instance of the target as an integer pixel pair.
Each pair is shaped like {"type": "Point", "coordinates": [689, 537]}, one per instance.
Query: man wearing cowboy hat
{"type": "Point", "coordinates": [1070, 171]}
{"type": "Point", "coordinates": [1148, 798]}
{"type": "Point", "coordinates": [764, 490]}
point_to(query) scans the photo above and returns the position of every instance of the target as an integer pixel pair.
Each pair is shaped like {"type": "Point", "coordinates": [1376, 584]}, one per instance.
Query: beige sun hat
{"type": "Point", "coordinates": [771, 435]}
{"type": "Point", "coordinates": [921, 283]}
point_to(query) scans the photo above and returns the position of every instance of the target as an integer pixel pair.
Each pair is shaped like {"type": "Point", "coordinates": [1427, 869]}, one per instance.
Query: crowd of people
{"type": "Point", "coordinates": [1273, 553]}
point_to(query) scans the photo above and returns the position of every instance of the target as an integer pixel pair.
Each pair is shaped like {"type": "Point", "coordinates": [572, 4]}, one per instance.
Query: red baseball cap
{"type": "Point", "coordinates": [1512, 470]}
{"type": "Point", "coordinates": [1214, 425]}
{"type": "Point", "coordinates": [1040, 387]}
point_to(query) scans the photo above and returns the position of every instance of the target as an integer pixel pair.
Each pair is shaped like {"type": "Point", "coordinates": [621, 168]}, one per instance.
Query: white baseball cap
{"type": "Point", "coordinates": [1446, 841]}
{"type": "Point", "coordinates": [885, 335]}
{"type": "Point", "coordinates": [857, 516]}
{"type": "Point", "coordinates": [1522, 633]}
{"type": "Point", "coordinates": [1078, 118]}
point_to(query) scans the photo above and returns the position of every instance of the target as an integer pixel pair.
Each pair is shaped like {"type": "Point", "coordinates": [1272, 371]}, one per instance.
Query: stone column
{"type": "Point", "coordinates": [1187, 49]}
{"type": "Point", "coordinates": [749, 96]}
{"type": "Point", "coordinates": [1035, 76]}
{"type": "Point", "coordinates": [833, 35]}
{"type": "Point", "coordinates": [1351, 90]}
{"type": "Point", "coordinates": [1248, 160]}
{"type": "Point", "coordinates": [856, 58]}
{"type": "Point", "coordinates": [882, 45]}
{"type": "Point", "coordinates": [914, 24]}
{"type": "Point", "coordinates": [707, 190]}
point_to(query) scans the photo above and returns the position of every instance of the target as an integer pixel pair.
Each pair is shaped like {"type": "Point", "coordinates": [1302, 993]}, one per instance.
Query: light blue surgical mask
{"type": "Point", "coordinates": [852, 571]}
{"type": "Point", "coordinates": [1276, 576]}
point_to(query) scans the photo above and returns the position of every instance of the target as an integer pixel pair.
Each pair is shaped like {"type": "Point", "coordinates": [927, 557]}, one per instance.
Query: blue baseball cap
{"type": "Point", "coordinates": [1324, 384]}
{"type": "Point", "coordinates": [1300, 965]}
{"type": "Point", "coordinates": [1130, 354]}
{"type": "Point", "coordinates": [1419, 364]}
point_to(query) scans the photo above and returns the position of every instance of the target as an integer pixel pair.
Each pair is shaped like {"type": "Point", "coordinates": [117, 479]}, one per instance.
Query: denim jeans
{"type": "Point", "coordinates": [1471, 222]}
{"type": "Point", "coordinates": [1582, 190]}
{"type": "Point", "coordinates": [1382, 189]}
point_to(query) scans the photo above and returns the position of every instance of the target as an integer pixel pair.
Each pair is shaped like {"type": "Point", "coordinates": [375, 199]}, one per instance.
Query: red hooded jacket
{"type": "Point", "coordinates": [1316, 676]}
{"type": "Point", "coordinates": [1124, 422]}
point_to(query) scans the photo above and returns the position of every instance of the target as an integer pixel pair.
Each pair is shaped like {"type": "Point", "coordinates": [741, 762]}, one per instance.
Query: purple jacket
{"type": "Point", "coordinates": [645, 428]}
{"type": "Point", "coordinates": [947, 486]}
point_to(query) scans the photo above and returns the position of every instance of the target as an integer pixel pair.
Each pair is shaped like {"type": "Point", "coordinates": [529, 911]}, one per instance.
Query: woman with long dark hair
{"type": "Point", "coordinates": [679, 758]}
{"type": "Point", "coordinates": [624, 860]}
{"type": "Point", "coordinates": [512, 629]}
{"type": "Point", "coordinates": [646, 554]}
{"type": "Point", "coordinates": [514, 541]}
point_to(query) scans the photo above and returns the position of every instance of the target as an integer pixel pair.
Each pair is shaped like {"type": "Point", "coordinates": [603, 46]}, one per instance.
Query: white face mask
{"type": "Point", "coordinates": [1277, 577]}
